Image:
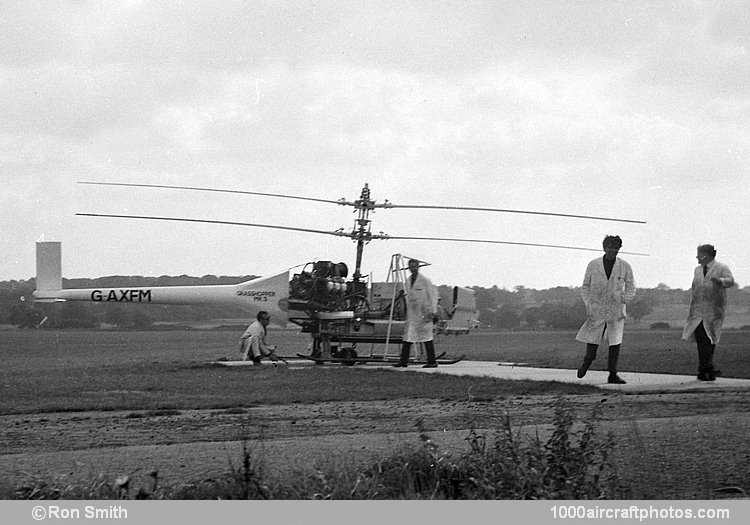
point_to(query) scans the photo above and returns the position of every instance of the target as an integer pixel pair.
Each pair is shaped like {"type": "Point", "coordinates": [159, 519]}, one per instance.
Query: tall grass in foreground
{"type": "Point", "coordinates": [507, 464]}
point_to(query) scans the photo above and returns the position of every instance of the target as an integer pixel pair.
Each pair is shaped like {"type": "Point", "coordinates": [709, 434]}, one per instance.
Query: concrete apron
{"type": "Point", "coordinates": [636, 381]}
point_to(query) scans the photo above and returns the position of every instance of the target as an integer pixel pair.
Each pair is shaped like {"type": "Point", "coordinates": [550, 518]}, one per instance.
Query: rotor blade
{"type": "Point", "coordinates": [472, 208]}
{"type": "Point", "coordinates": [216, 190]}
{"type": "Point", "coordinates": [209, 221]}
{"type": "Point", "coordinates": [497, 242]}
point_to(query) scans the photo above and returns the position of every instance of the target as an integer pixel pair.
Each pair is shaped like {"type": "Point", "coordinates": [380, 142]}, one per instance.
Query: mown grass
{"type": "Point", "coordinates": [189, 386]}
{"type": "Point", "coordinates": [503, 464]}
{"type": "Point", "coordinates": [654, 351]}
{"type": "Point", "coordinates": [46, 371]}
{"type": "Point", "coordinates": [157, 373]}
{"type": "Point", "coordinates": [79, 370]}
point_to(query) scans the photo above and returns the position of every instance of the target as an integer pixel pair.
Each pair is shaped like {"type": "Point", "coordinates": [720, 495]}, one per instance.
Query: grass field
{"type": "Point", "coordinates": [149, 381]}
{"type": "Point", "coordinates": [75, 370]}
{"type": "Point", "coordinates": [47, 371]}
{"type": "Point", "coordinates": [107, 370]}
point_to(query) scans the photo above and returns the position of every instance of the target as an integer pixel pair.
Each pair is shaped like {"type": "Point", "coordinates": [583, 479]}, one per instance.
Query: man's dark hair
{"type": "Point", "coordinates": [261, 315]}
{"type": "Point", "coordinates": [707, 248]}
{"type": "Point", "coordinates": [612, 240]}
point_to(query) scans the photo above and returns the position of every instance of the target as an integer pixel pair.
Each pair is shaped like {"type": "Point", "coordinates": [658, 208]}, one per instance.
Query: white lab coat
{"type": "Point", "coordinates": [421, 305]}
{"type": "Point", "coordinates": [253, 342]}
{"type": "Point", "coordinates": [605, 301]}
{"type": "Point", "coordinates": [708, 301]}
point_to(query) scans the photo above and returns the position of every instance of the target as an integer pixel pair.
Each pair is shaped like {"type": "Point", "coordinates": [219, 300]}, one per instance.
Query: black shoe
{"type": "Point", "coordinates": [713, 374]}
{"type": "Point", "coordinates": [702, 376]}
{"type": "Point", "coordinates": [399, 365]}
{"type": "Point", "coordinates": [582, 370]}
{"type": "Point", "coordinates": [430, 365]}
{"type": "Point", "coordinates": [615, 379]}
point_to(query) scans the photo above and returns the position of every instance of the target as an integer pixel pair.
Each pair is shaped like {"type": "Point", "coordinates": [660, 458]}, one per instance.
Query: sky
{"type": "Point", "coordinates": [633, 109]}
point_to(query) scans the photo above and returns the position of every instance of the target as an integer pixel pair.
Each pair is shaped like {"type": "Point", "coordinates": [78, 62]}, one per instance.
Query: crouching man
{"type": "Point", "coordinates": [253, 345]}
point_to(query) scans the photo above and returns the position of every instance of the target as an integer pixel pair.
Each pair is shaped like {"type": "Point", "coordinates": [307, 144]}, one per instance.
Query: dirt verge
{"type": "Point", "coordinates": [676, 445]}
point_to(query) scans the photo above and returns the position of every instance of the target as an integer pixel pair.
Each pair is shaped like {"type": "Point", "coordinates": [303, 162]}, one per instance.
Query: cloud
{"type": "Point", "coordinates": [566, 107]}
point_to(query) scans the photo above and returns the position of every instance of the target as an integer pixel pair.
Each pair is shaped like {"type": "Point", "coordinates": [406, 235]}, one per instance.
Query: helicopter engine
{"type": "Point", "coordinates": [322, 288]}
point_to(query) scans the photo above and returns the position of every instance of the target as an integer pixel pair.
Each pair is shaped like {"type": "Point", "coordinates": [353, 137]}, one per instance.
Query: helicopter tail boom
{"type": "Point", "coordinates": [264, 293]}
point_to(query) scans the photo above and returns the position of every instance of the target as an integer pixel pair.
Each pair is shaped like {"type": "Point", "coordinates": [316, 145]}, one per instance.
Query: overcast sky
{"type": "Point", "coordinates": [636, 110]}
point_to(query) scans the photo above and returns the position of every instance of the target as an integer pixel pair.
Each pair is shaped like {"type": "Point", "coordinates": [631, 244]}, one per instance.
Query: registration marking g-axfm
{"type": "Point", "coordinates": [122, 295]}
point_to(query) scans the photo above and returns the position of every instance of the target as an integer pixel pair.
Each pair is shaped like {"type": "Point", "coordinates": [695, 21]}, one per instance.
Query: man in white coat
{"type": "Point", "coordinates": [421, 314]}
{"type": "Point", "coordinates": [707, 306]}
{"type": "Point", "coordinates": [607, 286]}
{"type": "Point", "coordinates": [253, 345]}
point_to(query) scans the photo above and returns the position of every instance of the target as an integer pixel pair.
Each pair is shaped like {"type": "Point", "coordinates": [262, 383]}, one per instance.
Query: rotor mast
{"type": "Point", "coordinates": [361, 232]}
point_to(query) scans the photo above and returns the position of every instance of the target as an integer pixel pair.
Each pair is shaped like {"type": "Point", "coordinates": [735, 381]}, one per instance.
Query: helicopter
{"type": "Point", "coordinates": [339, 312]}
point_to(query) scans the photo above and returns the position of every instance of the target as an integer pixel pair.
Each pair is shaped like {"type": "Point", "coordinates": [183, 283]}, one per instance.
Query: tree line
{"type": "Point", "coordinates": [499, 308]}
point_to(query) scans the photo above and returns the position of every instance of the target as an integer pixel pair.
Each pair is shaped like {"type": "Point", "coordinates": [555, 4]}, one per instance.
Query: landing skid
{"type": "Point", "coordinates": [368, 359]}
{"type": "Point", "coordinates": [349, 361]}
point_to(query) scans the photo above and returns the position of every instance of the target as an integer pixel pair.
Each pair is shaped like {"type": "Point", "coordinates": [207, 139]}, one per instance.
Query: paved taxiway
{"type": "Point", "coordinates": [636, 381]}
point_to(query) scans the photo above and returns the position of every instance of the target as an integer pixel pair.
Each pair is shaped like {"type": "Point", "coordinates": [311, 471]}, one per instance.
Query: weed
{"type": "Point", "coordinates": [569, 465]}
